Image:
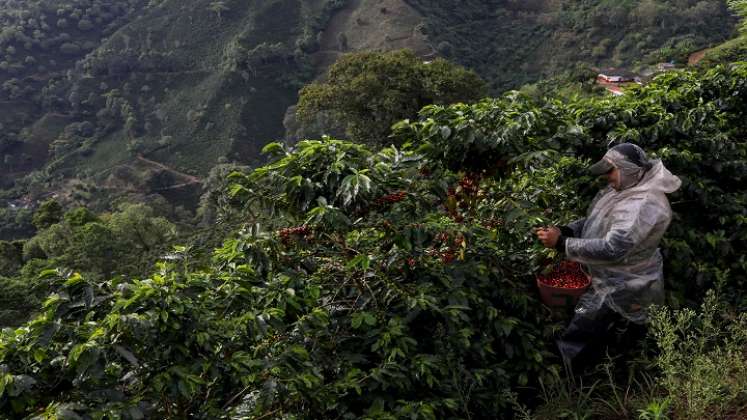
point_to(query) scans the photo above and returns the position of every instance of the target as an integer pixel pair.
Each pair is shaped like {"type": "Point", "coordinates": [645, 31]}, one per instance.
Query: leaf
{"type": "Point", "coordinates": [235, 189]}
{"type": "Point", "coordinates": [21, 384]}
{"type": "Point", "coordinates": [361, 261]}
{"type": "Point", "coordinates": [48, 273]}
{"type": "Point", "coordinates": [352, 186]}
{"type": "Point", "coordinates": [512, 215]}
{"type": "Point", "coordinates": [361, 318]}
{"type": "Point", "coordinates": [356, 320]}
{"type": "Point", "coordinates": [127, 355]}
{"type": "Point", "coordinates": [74, 279]}
{"type": "Point", "coordinates": [274, 148]}
{"type": "Point", "coordinates": [299, 352]}
{"type": "Point", "coordinates": [5, 380]}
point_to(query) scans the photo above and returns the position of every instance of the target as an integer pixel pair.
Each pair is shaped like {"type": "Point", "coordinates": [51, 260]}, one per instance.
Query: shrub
{"type": "Point", "coordinates": [692, 121]}
{"type": "Point", "coordinates": [70, 48]}
{"type": "Point", "coordinates": [703, 359]}
{"type": "Point", "coordinates": [381, 304]}
{"type": "Point", "coordinates": [387, 283]}
{"type": "Point", "coordinates": [49, 213]}
{"type": "Point", "coordinates": [368, 92]}
{"type": "Point", "coordinates": [85, 25]}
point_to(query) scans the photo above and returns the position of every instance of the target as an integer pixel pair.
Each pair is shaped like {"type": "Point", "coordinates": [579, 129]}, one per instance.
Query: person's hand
{"type": "Point", "coordinates": [548, 235]}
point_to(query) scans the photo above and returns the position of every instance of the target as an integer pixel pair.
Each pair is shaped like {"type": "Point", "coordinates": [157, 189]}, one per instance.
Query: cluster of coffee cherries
{"type": "Point", "coordinates": [451, 197]}
{"type": "Point", "coordinates": [469, 185]}
{"type": "Point", "coordinates": [567, 275]}
{"type": "Point", "coordinates": [463, 196]}
{"type": "Point", "coordinates": [287, 235]}
{"type": "Point", "coordinates": [391, 198]}
{"type": "Point", "coordinates": [448, 255]}
{"type": "Point", "coordinates": [492, 223]}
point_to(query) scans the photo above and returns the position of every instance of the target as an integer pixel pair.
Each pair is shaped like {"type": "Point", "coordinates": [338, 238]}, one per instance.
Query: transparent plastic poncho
{"type": "Point", "coordinates": [618, 241]}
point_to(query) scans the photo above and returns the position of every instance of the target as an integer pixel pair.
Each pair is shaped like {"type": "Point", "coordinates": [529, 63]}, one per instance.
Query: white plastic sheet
{"type": "Point", "coordinates": [618, 241]}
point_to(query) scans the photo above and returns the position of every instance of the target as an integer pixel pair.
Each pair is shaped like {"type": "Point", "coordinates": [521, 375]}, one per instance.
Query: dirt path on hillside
{"type": "Point", "coordinates": [191, 179]}
{"type": "Point", "coordinates": [336, 26]}
{"type": "Point", "coordinates": [696, 57]}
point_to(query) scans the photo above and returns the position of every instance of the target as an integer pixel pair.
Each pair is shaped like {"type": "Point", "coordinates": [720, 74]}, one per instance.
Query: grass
{"type": "Point", "coordinates": [732, 50]}
{"type": "Point", "coordinates": [698, 371]}
{"type": "Point", "coordinates": [610, 392]}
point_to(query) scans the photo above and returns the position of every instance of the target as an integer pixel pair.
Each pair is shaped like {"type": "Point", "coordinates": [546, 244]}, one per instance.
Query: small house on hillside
{"type": "Point", "coordinates": [615, 78]}
{"type": "Point", "coordinates": [615, 90]}
{"type": "Point", "coordinates": [615, 75]}
{"type": "Point", "coordinates": [665, 66]}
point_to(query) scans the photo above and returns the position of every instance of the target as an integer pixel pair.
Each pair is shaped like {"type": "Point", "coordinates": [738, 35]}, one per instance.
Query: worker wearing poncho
{"type": "Point", "coordinates": [617, 242]}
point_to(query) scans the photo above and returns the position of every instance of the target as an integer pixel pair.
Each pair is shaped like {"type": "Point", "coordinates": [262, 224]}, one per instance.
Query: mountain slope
{"type": "Point", "coordinates": [88, 87]}
{"type": "Point", "coordinates": [515, 42]}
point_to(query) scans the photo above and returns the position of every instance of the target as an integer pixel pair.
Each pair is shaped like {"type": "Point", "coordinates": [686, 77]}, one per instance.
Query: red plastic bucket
{"type": "Point", "coordinates": [561, 297]}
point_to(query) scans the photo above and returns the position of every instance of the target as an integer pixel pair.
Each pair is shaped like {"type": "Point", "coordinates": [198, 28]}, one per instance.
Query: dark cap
{"type": "Point", "coordinates": [601, 167]}
{"type": "Point", "coordinates": [629, 152]}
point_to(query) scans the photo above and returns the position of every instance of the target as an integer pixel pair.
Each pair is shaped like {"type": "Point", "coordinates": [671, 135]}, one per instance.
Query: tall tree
{"type": "Point", "coordinates": [368, 92]}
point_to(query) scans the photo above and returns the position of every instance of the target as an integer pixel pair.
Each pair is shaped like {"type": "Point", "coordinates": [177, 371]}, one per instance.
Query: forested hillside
{"type": "Point", "coordinates": [514, 42]}
{"type": "Point", "coordinates": [127, 99]}
{"type": "Point", "coordinates": [151, 101]}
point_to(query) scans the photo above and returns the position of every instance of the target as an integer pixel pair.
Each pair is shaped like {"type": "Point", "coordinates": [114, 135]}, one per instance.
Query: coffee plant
{"type": "Point", "coordinates": [388, 283]}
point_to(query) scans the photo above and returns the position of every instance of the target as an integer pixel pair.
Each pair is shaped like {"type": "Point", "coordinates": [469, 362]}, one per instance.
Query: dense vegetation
{"type": "Point", "coordinates": [347, 280]}
{"type": "Point", "coordinates": [92, 93]}
{"type": "Point", "coordinates": [398, 282]}
{"type": "Point", "coordinates": [102, 246]}
{"type": "Point", "coordinates": [39, 43]}
{"type": "Point", "coordinates": [372, 91]}
{"type": "Point", "coordinates": [514, 42]}
{"type": "Point", "coordinates": [734, 49]}
{"type": "Point", "coordinates": [147, 86]}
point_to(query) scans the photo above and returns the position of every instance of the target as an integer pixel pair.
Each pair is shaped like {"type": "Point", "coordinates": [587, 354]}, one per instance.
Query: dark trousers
{"type": "Point", "coordinates": [589, 336]}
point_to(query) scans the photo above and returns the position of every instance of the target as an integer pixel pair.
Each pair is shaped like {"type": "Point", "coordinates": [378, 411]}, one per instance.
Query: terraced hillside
{"type": "Point", "coordinates": [89, 86]}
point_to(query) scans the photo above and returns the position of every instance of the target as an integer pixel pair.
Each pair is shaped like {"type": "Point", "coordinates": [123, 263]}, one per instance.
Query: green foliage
{"type": "Point", "coordinates": [732, 50]}
{"type": "Point", "coordinates": [11, 257]}
{"type": "Point", "coordinates": [655, 410]}
{"type": "Point", "coordinates": [368, 92]}
{"type": "Point", "coordinates": [15, 223]}
{"type": "Point", "coordinates": [693, 121]}
{"type": "Point", "coordinates": [740, 8]}
{"type": "Point", "coordinates": [703, 358]}
{"type": "Point", "coordinates": [48, 213]}
{"type": "Point", "coordinates": [19, 299]}
{"type": "Point", "coordinates": [518, 42]}
{"type": "Point", "coordinates": [259, 54]}
{"type": "Point", "coordinates": [392, 282]}
{"type": "Point", "coordinates": [119, 243]}
{"type": "Point", "coordinates": [139, 229]}
{"type": "Point", "coordinates": [125, 242]}
{"type": "Point", "coordinates": [79, 217]}
{"type": "Point", "coordinates": [377, 308]}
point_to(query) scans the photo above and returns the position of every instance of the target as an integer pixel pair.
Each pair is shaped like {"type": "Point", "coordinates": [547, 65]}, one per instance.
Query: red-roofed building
{"type": "Point", "coordinates": [614, 78]}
